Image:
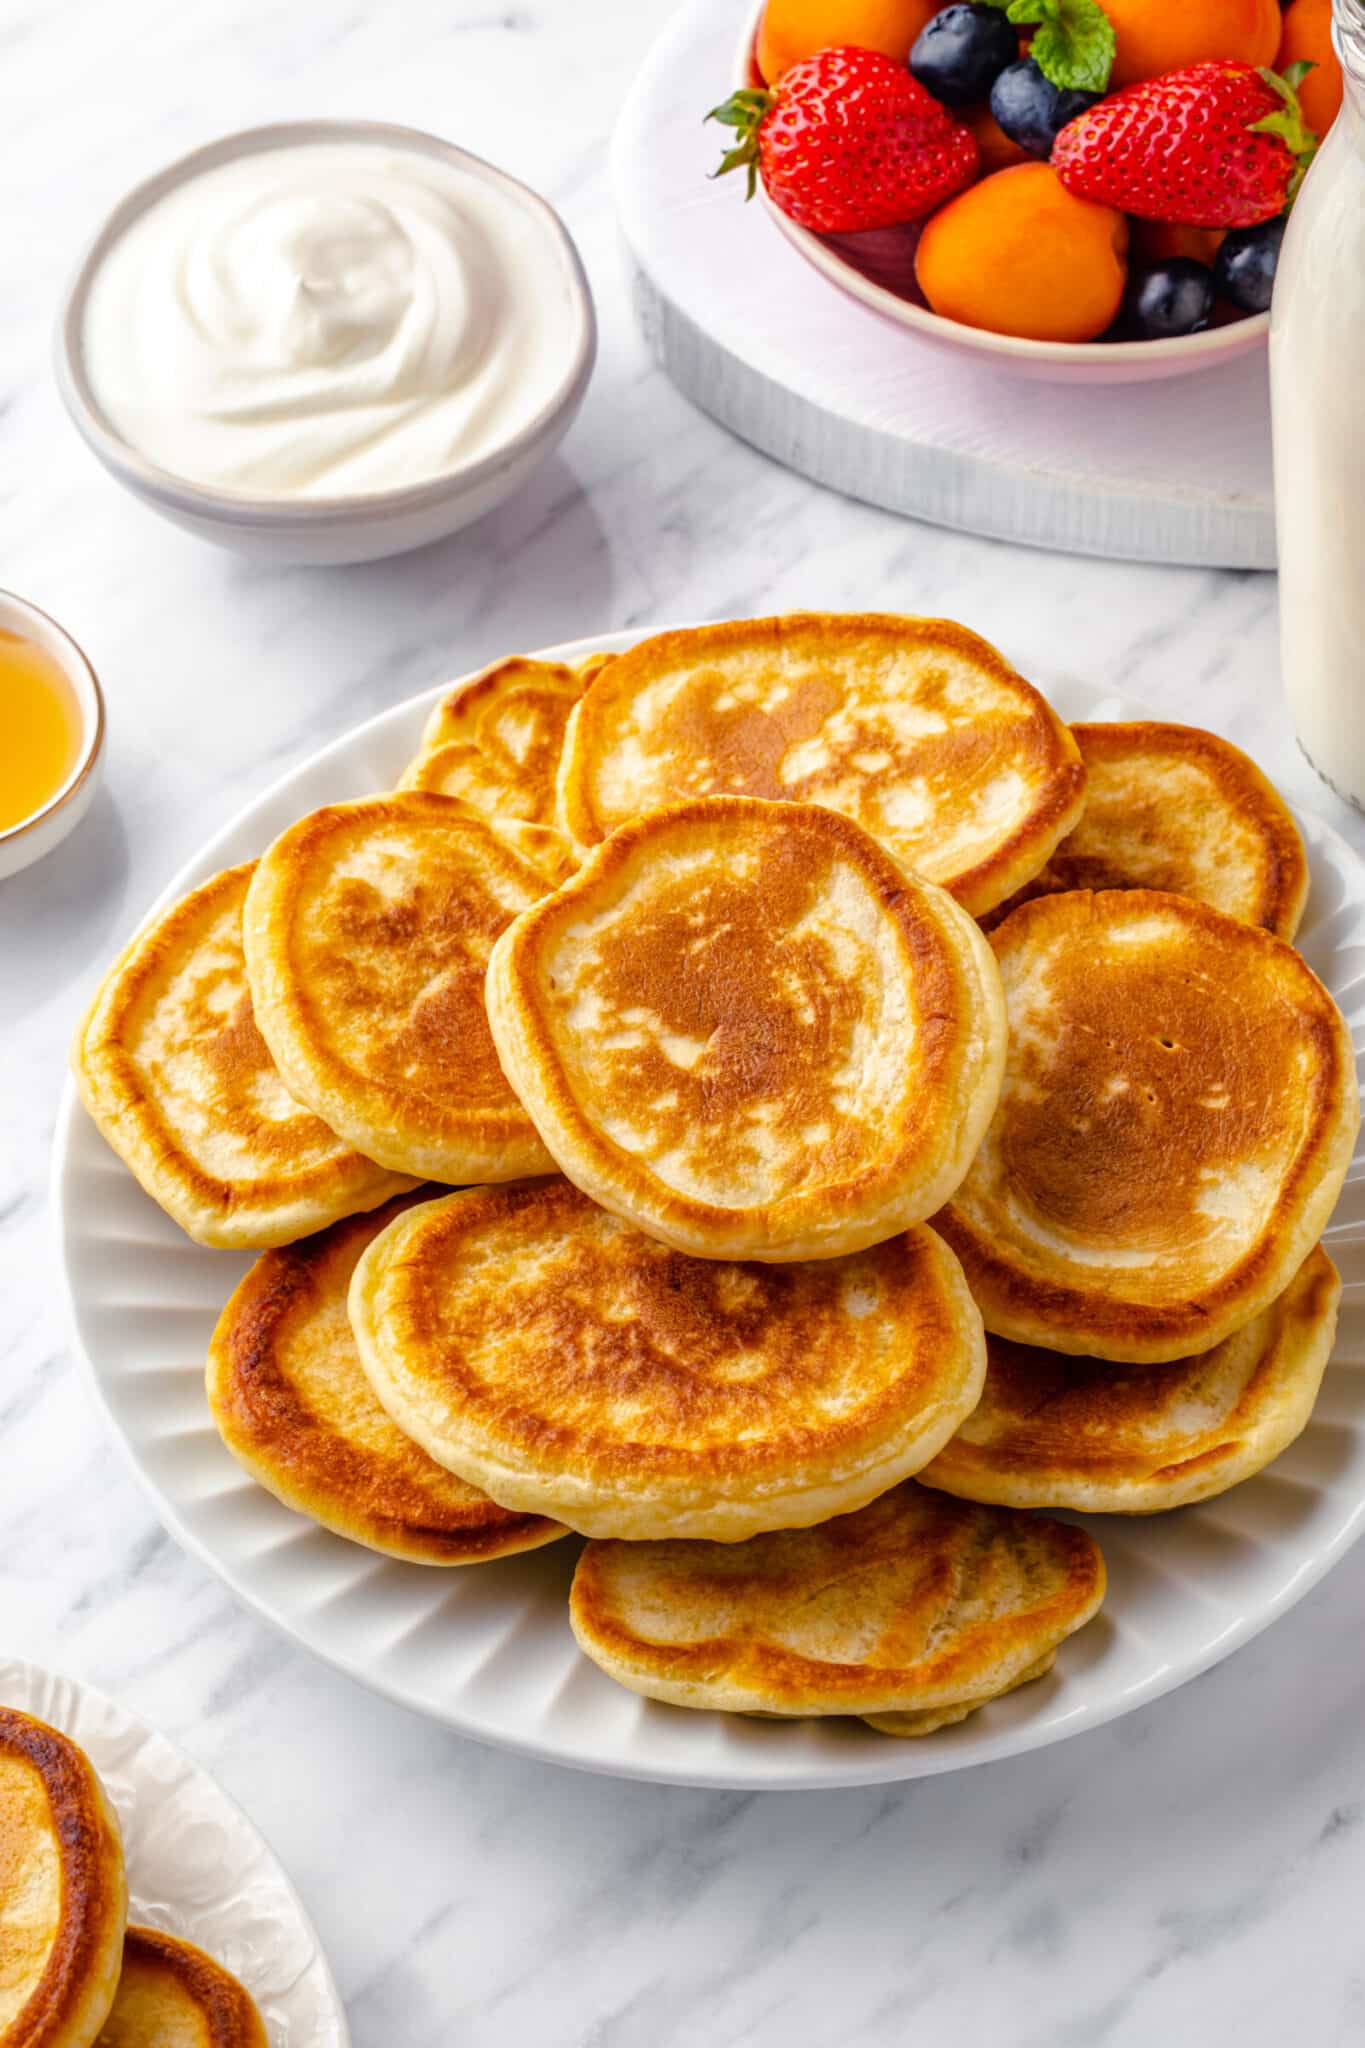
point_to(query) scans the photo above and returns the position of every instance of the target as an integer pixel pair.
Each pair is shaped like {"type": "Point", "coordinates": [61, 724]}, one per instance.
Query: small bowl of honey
{"type": "Point", "coordinates": [52, 722]}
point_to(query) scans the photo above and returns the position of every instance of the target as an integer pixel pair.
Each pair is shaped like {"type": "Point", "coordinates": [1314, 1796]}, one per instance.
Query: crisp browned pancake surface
{"type": "Point", "coordinates": [742, 1027]}
{"type": "Point", "coordinates": [569, 1366]}
{"type": "Point", "coordinates": [913, 1612]}
{"type": "Point", "coordinates": [368, 927]}
{"type": "Point", "coordinates": [172, 1995]}
{"type": "Point", "coordinates": [1178, 1113]}
{"type": "Point", "coordinates": [63, 1898]}
{"type": "Point", "coordinates": [172, 1068]}
{"type": "Point", "coordinates": [1058, 1432]}
{"type": "Point", "coordinates": [1172, 807]}
{"type": "Point", "coordinates": [292, 1403]}
{"type": "Point", "coordinates": [916, 728]}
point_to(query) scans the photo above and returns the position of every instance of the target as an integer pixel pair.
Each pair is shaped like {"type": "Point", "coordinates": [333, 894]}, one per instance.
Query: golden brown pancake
{"type": "Point", "coordinates": [368, 927]}
{"type": "Point", "coordinates": [63, 1896]}
{"type": "Point", "coordinates": [496, 739]}
{"type": "Point", "coordinates": [912, 1612]}
{"type": "Point", "coordinates": [172, 1995]}
{"type": "Point", "coordinates": [293, 1405]}
{"type": "Point", "coordinates": [569, 1367]}
{"type": "Point", "coordinates": [172, 1068]}
{"type": "Point", "coordinates": [915, 728]}
{"type": "Point", "coordinates": [1178, 1114]}
{"type": "Point", "coordinates": [1171, 807]}
{"type": "Point", "coordinates": [1058, 1432]}
{"type": "Point", "coordinates": [744, 1029]}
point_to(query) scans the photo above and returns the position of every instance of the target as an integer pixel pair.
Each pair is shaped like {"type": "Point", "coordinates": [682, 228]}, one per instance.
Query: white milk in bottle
{"type": "Point", "coordinates": [1317, 372]}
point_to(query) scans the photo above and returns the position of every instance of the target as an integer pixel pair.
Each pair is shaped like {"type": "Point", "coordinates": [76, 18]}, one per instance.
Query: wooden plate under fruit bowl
{"type": "Point", "coordinates": [878, 268]}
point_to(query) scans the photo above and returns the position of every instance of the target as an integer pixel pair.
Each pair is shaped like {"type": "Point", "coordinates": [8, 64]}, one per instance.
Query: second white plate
{"type": "Point", "coordinates": [196, 1865]}
{"type": "Point", "coordinates": [487, 1649]}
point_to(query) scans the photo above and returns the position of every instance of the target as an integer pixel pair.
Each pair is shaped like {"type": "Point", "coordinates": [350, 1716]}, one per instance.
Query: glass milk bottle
{"type": "Point", "coordinates": [1317, 374]}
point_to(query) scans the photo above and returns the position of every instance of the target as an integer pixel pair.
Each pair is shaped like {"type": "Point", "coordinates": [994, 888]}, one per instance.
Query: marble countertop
{"type": "Point", "coordinates": [1189, 1874]}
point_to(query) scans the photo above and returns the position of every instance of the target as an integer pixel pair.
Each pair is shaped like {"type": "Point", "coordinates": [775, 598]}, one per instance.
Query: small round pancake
{"type": "Point", "coordinates": [172, 1995]}
{"type": "Point", "coordinates": [292, 1404]}
{"type": "Point", "coordinates": [496, 739]}
{"type": "Point", "coordinates": [63, 1895]}
{"type": "Point", "coordinates": [1058, 1432]}
{"type": "Point", "coordinates": [912, 1612]}
{"type": "Point", "coordinates": [368, 927]}
{"type": "Point", "coordinates": [569, 1367]}
{"type": "Point", "coordinates": [1171, 807]}
{"type": "Point", "coordinates": [915, 728]}
{"type": "Point", "coordinates": [1178, 1114]}
{"type": "Point", "coordinates": [172, 1068]}
{"type": "Point", "coordinates": [744, 1029]}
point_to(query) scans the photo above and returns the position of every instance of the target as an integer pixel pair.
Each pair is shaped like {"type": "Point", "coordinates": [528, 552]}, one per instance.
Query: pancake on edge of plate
{"type": "Point", "coordinates": [63, 1893]}
{"type": "Point", "coordinates": [496, 739]}
{"type": "Point", "coordinates": [911, 1613]}
{"type": "Point", "coordinates": [916, 728]}
{"type": "Point", "coordinates": [1176, 808]}
{"type": "Point", "coordinates": [172, 1995]}
{"type": "Point", "coordinates": [172, 1068]}
{"type": "Point", "coordinates": [569, 1366]}
{"type": "Point", "coordinates": [291, 1401]}
{"type": "Point", "coordinates": [368, 927]}
{"type": "Point", "coordinates": [1052, 1431]}
{"type": "Point", "coordinates": [743, 1028]}
{"type": "Point", "coordinates": [1179, 1110]}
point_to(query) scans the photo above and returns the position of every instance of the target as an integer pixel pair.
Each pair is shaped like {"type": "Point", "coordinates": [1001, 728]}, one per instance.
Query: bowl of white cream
{"type": "Point", "coordinates": [327, 341]}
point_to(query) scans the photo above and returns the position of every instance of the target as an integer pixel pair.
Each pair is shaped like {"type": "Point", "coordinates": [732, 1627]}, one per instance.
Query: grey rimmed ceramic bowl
{"type": "Point", "coordinates": [30, 838]}
{"type": "Point", "coordinates": [357, 528]}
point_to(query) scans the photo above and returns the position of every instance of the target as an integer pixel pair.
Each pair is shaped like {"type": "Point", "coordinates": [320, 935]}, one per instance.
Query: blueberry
{"type": "Point", "coordinates": [1247, 259]}
{"type": "Point", "coordinates": [1031, 109]}
{"type": "Point", "coordinates": [1169, 299]}
{"type": "Point", "coordinates": [959, 53]}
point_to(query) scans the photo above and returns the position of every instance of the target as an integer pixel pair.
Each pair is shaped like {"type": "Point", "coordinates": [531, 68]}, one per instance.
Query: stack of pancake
{"type": "Point", "coordinates": [73, 1973]}
{"type": "Point", "coordinates": [875, 1113]}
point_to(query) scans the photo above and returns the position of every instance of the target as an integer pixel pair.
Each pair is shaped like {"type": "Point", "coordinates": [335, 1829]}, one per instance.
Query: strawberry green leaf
{"type": "Point", "coordinates": [1074, 43]}
{"type": "Point", "coordinates": [744, 111]}
{"type": "Point", "coordinates": [1288, 123]}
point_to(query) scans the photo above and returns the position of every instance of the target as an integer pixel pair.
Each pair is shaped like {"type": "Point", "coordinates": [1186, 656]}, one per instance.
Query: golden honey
{"type": "Point", "coordinates": [40, 730]}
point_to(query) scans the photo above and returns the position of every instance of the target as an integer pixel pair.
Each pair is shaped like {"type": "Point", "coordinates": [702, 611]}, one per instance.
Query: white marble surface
{"type": "Point", "coordinates": [1191, 1874]}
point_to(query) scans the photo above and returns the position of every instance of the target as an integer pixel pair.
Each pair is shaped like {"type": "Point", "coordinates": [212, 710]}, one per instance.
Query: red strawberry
{"type": "Point", "coordinates": [1217, 145]}
{"type": "Point", "coordinates": [849, 140]}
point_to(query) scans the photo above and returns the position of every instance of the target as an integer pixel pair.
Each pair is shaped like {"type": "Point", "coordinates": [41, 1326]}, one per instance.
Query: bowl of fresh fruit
{"type": "Point", "coordinates": [1069, 188]}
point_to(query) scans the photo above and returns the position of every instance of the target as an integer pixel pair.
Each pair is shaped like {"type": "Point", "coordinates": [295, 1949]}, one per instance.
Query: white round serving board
{"type": "Point", "coordinates": [196, 1865]}
{"type": "Point", "coordinates": [487, 1648]}
{"type": "Point", "coordinates": [1174, 471]}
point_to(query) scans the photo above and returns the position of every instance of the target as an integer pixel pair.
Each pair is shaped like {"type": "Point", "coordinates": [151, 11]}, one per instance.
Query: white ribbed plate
{"type": "Point", "coordinates": [487, 1649]}
{"type": "Point", "coordinates": [196, 1865]}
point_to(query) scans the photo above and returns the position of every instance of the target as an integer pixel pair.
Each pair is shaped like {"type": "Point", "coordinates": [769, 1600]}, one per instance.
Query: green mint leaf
{"type": "Point", "coordinates": [1076, 50]}
{"type": "Point", "coordinates": [1074, 46]}
{"type": "Point", "coordinates": [1023, 12]}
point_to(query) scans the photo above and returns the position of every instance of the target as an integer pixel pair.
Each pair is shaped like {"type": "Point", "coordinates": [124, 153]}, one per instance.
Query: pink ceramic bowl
{"type": "Point", "coordinates": [878, 269]}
